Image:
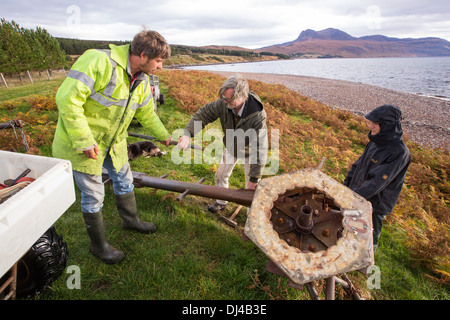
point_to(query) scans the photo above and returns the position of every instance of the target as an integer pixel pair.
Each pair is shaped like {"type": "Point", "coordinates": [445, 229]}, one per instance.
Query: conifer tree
{"type": "Point", "coordinates": [54, 57]}
{"type": "Point", "coordinates": [36, 53]}
{"type": "Point", "coordinates": [13, 47]}
{"type": "Point", "coordinates": [26, 49]}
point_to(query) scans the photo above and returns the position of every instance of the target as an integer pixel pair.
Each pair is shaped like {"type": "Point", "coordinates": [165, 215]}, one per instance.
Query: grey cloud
{"type": "Point", "coordinates": [247, 23]}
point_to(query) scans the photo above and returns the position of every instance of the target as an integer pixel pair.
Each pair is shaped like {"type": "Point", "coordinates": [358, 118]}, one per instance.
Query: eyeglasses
{"type": "Point", "coordinates": [227, 100]}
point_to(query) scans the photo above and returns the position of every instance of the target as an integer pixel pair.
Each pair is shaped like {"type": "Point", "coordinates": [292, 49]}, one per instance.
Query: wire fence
{"type": "Point", "coordinates": [27, 77]}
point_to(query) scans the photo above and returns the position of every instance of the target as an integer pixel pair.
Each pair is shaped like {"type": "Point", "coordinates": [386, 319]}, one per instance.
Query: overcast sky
{"type": "Point", "coordinates": [246, 23]}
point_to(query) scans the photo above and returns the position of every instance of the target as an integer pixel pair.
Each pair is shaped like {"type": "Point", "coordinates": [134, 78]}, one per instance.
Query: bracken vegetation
{"type": "Point", "coordinates": [39, 123]}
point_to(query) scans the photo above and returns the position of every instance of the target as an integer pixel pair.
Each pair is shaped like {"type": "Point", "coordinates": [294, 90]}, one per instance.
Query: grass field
{"type": "Point", "coordinates": [194, 255]}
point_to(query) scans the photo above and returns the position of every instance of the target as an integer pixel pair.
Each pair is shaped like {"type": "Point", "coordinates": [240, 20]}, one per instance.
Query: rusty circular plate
{"type": "Point", "coordinates": [311, 226]}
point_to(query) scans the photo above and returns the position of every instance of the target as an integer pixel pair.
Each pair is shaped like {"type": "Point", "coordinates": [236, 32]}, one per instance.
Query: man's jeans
{"type": "Point", "coordinates": [92, 188]}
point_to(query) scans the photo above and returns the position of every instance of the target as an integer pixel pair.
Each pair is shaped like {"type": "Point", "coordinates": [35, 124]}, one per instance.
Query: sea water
{"type": "Point", "coordinates": [429, 76]}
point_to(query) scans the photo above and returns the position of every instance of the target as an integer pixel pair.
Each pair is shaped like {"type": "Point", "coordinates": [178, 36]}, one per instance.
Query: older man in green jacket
{"type": "Point", "coordinates": [243, 120]}
{"type": "Point", "coordinates": [102, 93]}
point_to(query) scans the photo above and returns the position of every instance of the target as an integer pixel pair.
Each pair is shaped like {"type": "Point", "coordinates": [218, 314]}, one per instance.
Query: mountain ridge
{"type": "Point", "coordinates": [337, 43]}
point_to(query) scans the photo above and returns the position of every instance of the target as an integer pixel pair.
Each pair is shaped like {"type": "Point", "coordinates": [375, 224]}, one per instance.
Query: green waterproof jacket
{"type": "Point", "coordinates": [244, 137]}
{"type": "Point", "coordinates": [96, 106]}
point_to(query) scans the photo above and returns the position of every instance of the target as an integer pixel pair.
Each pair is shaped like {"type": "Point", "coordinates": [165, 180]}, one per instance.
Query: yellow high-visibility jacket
{"type": "Point", "coordinates": [96, 107]}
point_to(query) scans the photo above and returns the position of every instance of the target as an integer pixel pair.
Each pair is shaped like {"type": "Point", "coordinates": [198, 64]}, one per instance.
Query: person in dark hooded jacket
{"type": "Point", "coordinates": [378, 175]}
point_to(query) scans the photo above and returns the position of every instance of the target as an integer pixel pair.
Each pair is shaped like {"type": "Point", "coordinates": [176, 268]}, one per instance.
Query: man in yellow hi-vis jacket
{"type": "Point", "coordinates": [102, 93]}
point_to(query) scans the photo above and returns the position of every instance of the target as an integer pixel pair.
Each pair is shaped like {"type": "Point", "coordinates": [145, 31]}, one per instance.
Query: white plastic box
{"type": "Point", "coordinates": [26, 216]}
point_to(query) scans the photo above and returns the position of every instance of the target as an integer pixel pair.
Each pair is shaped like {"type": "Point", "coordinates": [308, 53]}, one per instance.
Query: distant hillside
{"type": "Point", "coordinates": [230, 48]}
{"type": "Point", "coordinates": [181, 54]}
{"type": "Point", "coordinates": [78, 47]}
{"type": "Point", "coordinates": [336, 43]}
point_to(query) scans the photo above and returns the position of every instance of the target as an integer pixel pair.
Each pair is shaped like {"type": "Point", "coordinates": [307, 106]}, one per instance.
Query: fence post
{"type": "Point", "coordinates": [4, 81]}
{"type": "Point", "coordinates": [29, 76]}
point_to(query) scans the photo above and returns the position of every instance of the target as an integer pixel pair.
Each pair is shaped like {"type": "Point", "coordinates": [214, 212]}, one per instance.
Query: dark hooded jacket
{"type": "Point", "coordinates": [378, 175]}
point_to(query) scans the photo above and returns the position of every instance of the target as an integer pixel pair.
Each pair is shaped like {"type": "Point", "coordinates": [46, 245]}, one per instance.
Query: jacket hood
{"type": "Point", "coordinates": [389, 118]}
{"type": "Point", "coordinates": [253, 105]}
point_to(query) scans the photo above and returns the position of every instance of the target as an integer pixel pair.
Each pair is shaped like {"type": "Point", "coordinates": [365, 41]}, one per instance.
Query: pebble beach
{"type": "Point", "coordinates": [426, 119]}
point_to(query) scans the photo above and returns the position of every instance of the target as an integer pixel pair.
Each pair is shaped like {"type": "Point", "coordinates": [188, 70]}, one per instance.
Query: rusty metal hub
{"type": "Point", "coordinates": [307, 219]}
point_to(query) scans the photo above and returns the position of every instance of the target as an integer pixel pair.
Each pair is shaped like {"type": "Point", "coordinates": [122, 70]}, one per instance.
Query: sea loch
{"type": "Point", "coordinates": [424, 76]}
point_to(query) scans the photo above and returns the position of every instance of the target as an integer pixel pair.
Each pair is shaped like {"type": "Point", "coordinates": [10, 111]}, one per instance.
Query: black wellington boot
{"type": "Point", "coordinates": [100, 248]}
{"type": "Point", "coordinates": [126, 205]}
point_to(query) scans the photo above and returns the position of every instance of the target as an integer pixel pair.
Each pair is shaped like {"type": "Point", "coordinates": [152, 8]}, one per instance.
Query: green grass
{"type": "Point", "coordinates": [194, 255]}
{"type": "Point", "coordinates": [401, 276]}
{"type": "Point", "coordinates": [41, 87]}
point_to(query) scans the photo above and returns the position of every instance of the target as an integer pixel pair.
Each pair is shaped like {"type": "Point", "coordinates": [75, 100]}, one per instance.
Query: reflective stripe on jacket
{"type": "Point", "coordinates": [96, 107]}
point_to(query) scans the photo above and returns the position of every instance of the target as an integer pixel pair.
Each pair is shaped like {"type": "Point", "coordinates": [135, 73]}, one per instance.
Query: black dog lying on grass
{"type": "Point", "coordinates": [143, 148]}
